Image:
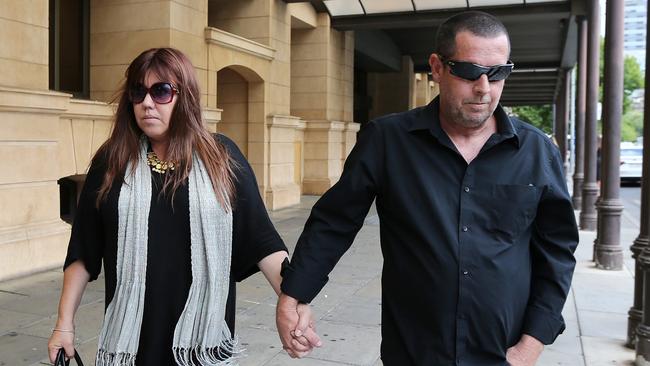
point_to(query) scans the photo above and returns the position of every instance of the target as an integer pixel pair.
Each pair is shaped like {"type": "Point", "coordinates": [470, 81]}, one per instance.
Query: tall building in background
{"type": "Point", "coordinates": [635, 29]}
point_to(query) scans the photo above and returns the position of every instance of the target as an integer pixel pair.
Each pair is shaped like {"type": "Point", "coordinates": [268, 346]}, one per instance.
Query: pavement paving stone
{"type": "Point", "coordinates": [601, 351]}
{"type": "Point", "coordinates": [11, 321]}
{"type": "Point", "coordinates": [20, 349]}
{"type": "Point", "coordinates": [346, 343]}
{"type": "Point", "coordinates": [371, 290]}
{"type": "Point", "coordinates": [261, 316]}
{"type": "Point", "coordinates": [8, 297]}
{"type": "Point", "coordinates": [260, 346]}
{"type": "Point", "coordinates": [34, 283]}
{"type": "Point", "coordinates": [603, 325]}
{"type": "Point", "coordinates": [243, 306]}
{"type": "Point", "coordinates": [282, 359]}
{"type": "Point", "coordinates": [603, 293]}
{"type": "Point", "coordinates": [332, 294]}
{"type": "Point", "coordinates": [43, 302]}
{"type": "Point", "coordinates": [356, 311]}
{"type": "Point", "coordinates": [554, 358]}
{"type": "Point", "coordinates": [351, 275]}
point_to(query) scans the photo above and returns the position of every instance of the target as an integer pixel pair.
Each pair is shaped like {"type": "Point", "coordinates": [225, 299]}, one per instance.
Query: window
{"type": "Point", "coordinates": [69, 46]}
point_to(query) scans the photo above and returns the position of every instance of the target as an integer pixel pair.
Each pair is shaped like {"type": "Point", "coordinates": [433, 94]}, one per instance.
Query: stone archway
{"type": "Point", "coordinates": [232, 99]}
{"type": "Point", "coordinates": [240, 96]}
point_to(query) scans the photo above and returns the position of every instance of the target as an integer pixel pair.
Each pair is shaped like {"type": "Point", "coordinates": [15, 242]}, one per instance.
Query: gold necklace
{"type": "Point", "coordinates": [158, 165]}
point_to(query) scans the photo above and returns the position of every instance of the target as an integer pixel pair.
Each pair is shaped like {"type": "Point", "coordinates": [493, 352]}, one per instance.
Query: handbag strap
{"type": "Point", "coordinates": [62, 361]}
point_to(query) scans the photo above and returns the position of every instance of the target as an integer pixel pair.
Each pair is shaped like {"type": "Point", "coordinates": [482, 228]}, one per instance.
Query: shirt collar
{"type": "Point", "coordinates": [430, 120]}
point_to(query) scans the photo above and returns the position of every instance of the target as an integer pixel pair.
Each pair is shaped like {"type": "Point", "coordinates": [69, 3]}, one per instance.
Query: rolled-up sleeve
{"type": "Point", "coordinates": [554, 240]}
{"type": "Point", "coordinates": [336, 218]}
{"type": "Point", "coordinates": [87, 238]}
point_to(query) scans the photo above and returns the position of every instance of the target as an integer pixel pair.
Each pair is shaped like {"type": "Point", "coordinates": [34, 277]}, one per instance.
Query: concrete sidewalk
{"type": "Point", "coordinates": [348, 309]}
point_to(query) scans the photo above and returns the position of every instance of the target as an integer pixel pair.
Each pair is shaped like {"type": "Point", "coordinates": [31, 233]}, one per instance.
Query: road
{"type": "Point", "coordinates": [631, 198]}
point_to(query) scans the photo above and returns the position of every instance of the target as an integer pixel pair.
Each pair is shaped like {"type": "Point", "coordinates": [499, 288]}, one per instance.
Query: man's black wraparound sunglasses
{"type": "Point", "coordinates": [471, 72]}
{"type": "Point", "coordinates": [161, 93]}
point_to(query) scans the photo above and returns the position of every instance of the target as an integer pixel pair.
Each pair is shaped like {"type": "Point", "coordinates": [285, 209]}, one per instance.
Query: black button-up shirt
{"type": "Point", "coordinates": [475, 255]}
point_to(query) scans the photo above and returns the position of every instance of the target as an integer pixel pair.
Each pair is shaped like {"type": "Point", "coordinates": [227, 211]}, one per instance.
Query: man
{"type": "Point", "coordinates": [477, 227]}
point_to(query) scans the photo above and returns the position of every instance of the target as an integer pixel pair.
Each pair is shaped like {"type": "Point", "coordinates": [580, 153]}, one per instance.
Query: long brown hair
{"type": "Point", "coordinates": [187, 132]}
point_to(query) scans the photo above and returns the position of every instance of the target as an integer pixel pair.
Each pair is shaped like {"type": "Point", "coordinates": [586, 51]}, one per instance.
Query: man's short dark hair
{"type": "Point", "coordinates": [476, 22]}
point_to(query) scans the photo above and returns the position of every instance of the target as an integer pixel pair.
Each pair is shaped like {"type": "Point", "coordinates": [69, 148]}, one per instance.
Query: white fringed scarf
{"type": "Point", "coordinates": [201, 336]}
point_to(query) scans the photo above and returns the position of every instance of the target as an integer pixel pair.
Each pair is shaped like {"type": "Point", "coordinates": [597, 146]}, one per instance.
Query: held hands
{"type": "Point", "coordinates": [525, 352]}
{"type": "Point", "coordinates": [62, 337]}
{"type": "Point", "coordinates": [295, 327]}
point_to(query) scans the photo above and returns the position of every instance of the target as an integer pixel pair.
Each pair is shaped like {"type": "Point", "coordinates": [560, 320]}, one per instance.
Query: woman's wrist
{"type": "Point", "coordinates": [64, 325]}
{"type": "Point", "coordinates": [62, 330]}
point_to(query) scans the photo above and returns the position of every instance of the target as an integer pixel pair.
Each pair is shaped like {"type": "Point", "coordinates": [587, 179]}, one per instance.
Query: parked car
{"type": "Point", "coordinates": [631, 163]}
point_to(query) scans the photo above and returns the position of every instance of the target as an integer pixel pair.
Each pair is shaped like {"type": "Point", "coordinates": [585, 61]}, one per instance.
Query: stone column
{"type": "Point", "coordinates": [641, 243]}
{"type": "Point", "coordinates": [391, 92]}
{"type": "Point", "coordinates": [322, 75]}
{"type": "Point", "coordinates": [422, 89]}
{"type": "Point", "coordinates": [579, 136]}
{"type": "Point", "coordinates": [589, 186]}
{"type": "Point", "coordinates": [285, 153]}
{"type": "Point", "coordinates": [608, 251]}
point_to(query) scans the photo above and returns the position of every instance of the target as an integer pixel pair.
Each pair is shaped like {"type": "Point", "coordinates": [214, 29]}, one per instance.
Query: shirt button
{"type": "Point", "coordinates": [466, 189]}
{"type": "Point", "coordinates": [465, 228]}
{"type": "Point", "coordinates": [465, 273]}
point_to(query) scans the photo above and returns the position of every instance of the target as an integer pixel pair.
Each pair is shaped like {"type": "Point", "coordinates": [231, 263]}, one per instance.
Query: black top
{"type": "Point", "coordinates": [474, 255]}
{"type": "Point", "coordinates": [169, 272]}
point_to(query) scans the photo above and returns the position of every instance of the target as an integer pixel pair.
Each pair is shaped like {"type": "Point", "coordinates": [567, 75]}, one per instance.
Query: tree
{"type": "Point", "coordinates": [632, 125]}
{"type": "Point", "coordinates": [632, 80]}
{"type": "Point", "coordinates": [632, 77]}
{"type": "Point", "coordinates": [632, 121]}
{"type": "Point", "coordinates": [540, 116]}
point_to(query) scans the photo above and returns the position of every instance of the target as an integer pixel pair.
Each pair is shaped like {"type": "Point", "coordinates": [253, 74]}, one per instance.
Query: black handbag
{"type": "Point", "coordinates": [62, 361]}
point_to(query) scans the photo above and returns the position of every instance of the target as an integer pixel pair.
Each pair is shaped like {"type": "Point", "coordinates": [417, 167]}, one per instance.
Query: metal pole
{"type": "Point", "coordinates": [566, 106]}
{"type": "Point", "coordinates": [608, 250]}
{"type": "Point", "coordinates": [640, 313]}
{"type": "Point", "coordinates": [578, 140]}
{"type": "Point", "coordinates": [560, 116]}
{"type": "Point", "coordinates": [589, 186]}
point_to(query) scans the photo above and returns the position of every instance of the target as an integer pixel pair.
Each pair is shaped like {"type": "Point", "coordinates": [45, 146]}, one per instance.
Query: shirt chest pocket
{"type": "Point", "coordinates": [507, 210]}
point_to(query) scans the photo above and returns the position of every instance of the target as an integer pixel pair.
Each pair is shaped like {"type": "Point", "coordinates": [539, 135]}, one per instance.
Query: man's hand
{"type": "Point", "coordinates": [525, 352]}
{"type": "Point", "coordinates": [295, 327]}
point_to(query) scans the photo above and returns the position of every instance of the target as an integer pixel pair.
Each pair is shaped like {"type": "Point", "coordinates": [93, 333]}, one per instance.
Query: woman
{"type": "Point", "coordinates": [168, 208]}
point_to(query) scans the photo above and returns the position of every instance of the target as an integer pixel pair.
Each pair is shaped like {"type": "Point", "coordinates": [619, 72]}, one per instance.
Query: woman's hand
{"type": "Point", "coordinates": [62, 337]}
{"type": "Point", "coordinates": [296, 327]}
{"type": "Point", "coordinates": [75, 278]}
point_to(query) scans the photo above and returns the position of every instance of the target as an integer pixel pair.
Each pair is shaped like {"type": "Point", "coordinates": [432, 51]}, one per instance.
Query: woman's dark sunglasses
{"type": "Point", "coordinates": [471, 72]}
{"type": "Point", "coordinates": [161, 93]}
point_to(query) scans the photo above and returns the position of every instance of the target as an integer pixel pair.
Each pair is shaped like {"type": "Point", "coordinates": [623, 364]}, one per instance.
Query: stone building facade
{"type": "Point", "coordinates": [275, 77]}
